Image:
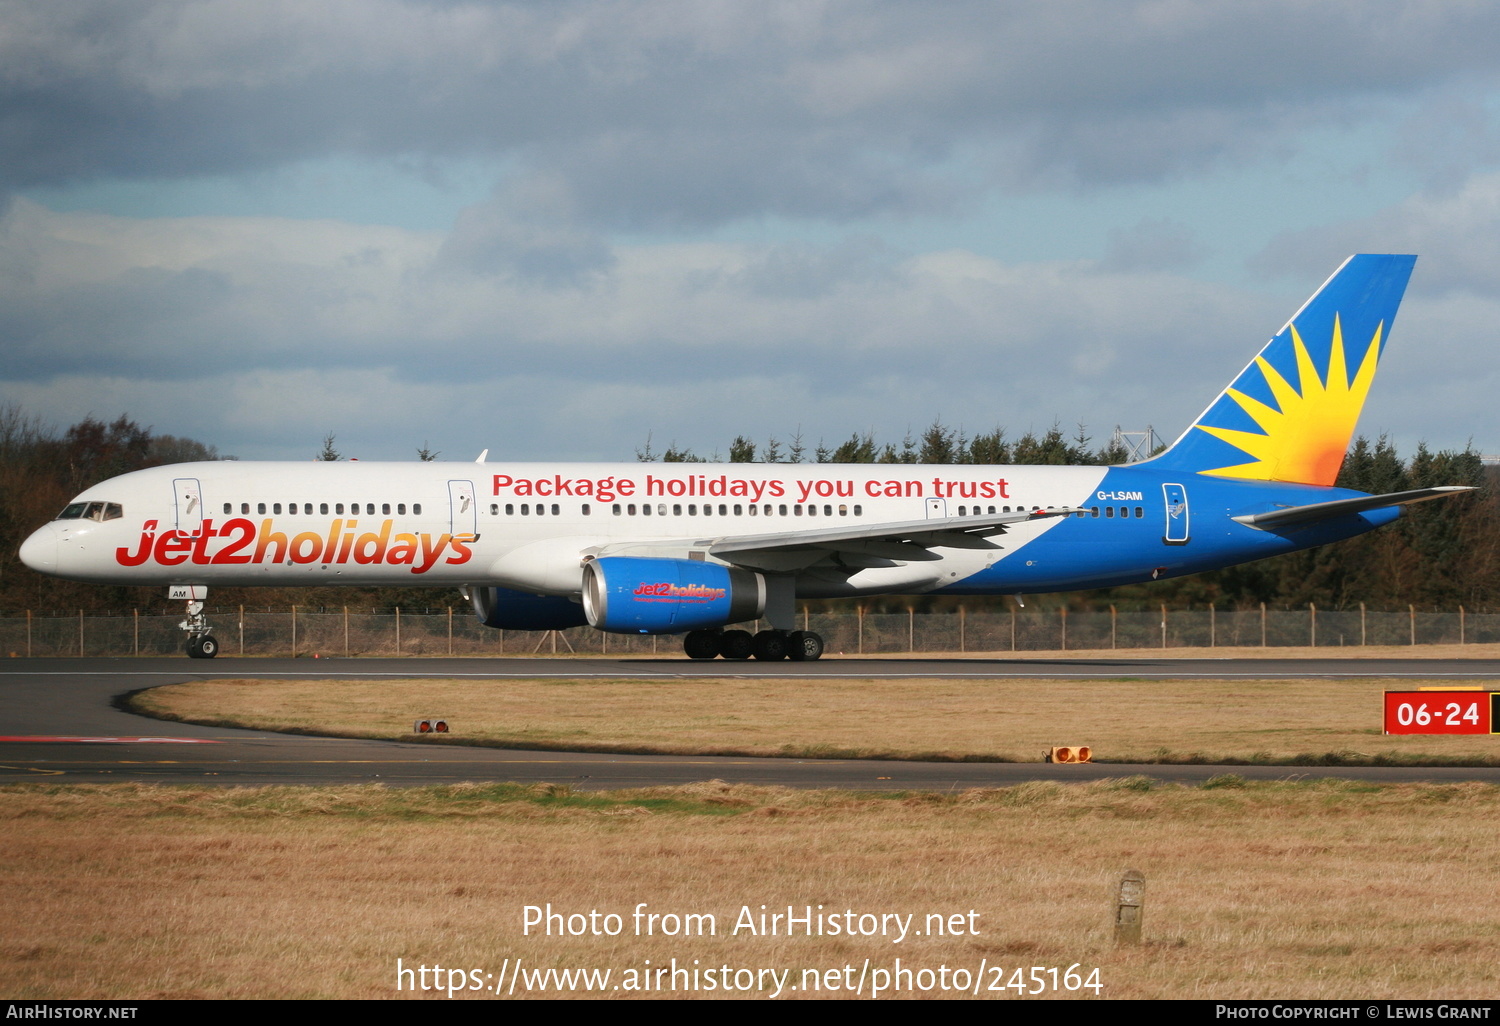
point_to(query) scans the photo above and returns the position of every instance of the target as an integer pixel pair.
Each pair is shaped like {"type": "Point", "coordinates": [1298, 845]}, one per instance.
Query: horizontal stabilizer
{"type": "Point", "coordinates": [1343, 507]}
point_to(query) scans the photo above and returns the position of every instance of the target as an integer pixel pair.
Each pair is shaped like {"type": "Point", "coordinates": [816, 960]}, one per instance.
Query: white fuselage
{"type": "Point", "coordinates": [522, 526]}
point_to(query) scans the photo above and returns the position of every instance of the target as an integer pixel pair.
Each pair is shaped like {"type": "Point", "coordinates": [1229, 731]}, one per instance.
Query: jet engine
{"type": "Point", "coordinates": [628, 595]}
{"type": "Point", "coordinates": [510, 610]}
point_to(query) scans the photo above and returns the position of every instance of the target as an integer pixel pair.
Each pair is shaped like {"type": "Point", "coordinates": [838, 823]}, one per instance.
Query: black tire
{"type": "Point", "coordinates": [805, 645]}
{"type": "Point", "coordinates": [770, 645]}
{"type": "Point", "coordinates": [208, 647]}
{"type": "Point", "coordinates": [736, 645]}
{"type": "Point", "coordinates": [701, 644]}
{"type": "Point", "coordinates": [195, 648]}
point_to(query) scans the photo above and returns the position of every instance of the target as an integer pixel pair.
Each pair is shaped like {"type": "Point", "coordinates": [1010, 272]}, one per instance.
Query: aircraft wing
{"type": "Point", "coordinates": [874, 545]}
{"type": "Point", "coordinates": [856, 544]}
{"type": "Point", "coordinates": [1295, 515]}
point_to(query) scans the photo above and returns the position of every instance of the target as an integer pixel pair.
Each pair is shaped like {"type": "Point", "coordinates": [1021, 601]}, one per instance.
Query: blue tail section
{"type": "Point", "coordinates": [1290, 414]}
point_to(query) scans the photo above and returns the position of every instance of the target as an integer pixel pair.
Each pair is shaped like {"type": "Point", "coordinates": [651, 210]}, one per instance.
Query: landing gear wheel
{"type": "Point", "coordinates": [804, 645]}
{"type": "Point", "coordinates": [771, 645]}
{"type": "Point", "coordinates": [195, 648]}
{"type": "Point", "coordinates": [208, 647]}
{"type": "Point", "coordinates": [701, 644]}
{"type": "Point", "coordinates": [736, 645]}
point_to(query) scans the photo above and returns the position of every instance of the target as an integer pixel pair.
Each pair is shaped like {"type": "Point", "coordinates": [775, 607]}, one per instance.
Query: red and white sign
{"type": "Point", "coordinates": [1439, 712]}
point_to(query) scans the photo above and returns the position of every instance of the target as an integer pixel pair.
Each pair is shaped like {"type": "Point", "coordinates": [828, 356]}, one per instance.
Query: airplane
{"type": "Point", "coordinates": [695, 549]}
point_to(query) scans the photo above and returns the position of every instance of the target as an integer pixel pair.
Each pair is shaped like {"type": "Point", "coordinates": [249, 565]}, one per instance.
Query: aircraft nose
{"type": "Point", "coordinates": [40, 550]}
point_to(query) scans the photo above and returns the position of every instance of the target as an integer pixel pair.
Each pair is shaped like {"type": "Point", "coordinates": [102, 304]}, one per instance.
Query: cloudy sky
{"type": "Point", "coordinates": [556, 229]}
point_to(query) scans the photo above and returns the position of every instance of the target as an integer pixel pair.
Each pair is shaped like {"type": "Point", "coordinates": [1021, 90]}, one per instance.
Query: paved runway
{"type": "Point", "coordinates": [76, 702]}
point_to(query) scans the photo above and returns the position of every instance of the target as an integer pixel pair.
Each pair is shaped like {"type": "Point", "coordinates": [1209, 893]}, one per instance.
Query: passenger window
{"type": "Point", "coordinates": [631, 509]}
{"type": "Point", "coordinates": [525, 509]}
{"type": "Point", "coordinates": [276, 508]}
{"type": "Point", "coordinates": [645, 509]}
{"type": "Point", "coordinates": [1094, 512]}
{"type": "Point", "coordinates": [416, 509]}
{"type": "Point", "coordinates": [369, 509]}
{"type": "Point", "coordinates": [228, 507]}
{"type": "Point", "coordinates": [616, 509]}
{"type": "Point", "coordinates": [557, 509]}
{"type": "Point", "coordinates": [676, 509]}
{"type": "Point", "coordinates": [1139, 512]}
{"type": "Point", "coordinates": [692, 509]}
{"type": "Point", "coordinates": [1109, 512]}
{"type": "Point", "coordinates": [859, 510]}
{"type": "Point", "coordinates": [782, 509]}
{"type": "Point", "coordinates": [798, 509]}
{"type": "Point", "coordinates": [586, 509]}
{"type": "Point", "coordinates": [307, 508]}
{"type": "Point", "coordinates": [385, 509]}
{"type": "Point", "coordinates": [244, 507]}
{"type": "Point", "coordinates": [260, 507]}
{"type": "Point", "coordinates": [323, 509]}
{"type": "Point", "coordinates": [400, 509]}
{"type": "Point", "coordinates": [510, 509]}
{"type": "Point", "coordinates": [738, 509]}
{"type": "Point", "coordinates": [754, 511]}
{"type": "Point", "coordinates": [661, 509]}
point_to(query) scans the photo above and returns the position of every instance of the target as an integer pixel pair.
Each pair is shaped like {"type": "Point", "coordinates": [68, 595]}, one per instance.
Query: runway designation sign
{"type": "Point", "coordinates": [1441, 712]}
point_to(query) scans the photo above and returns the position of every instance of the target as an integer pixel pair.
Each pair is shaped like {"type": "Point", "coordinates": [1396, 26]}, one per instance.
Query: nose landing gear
{"type": "Point", "coordinates": [200, 643]}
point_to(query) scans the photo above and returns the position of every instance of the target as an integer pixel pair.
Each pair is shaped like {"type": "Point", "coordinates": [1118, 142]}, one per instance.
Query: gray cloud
{"type": "Point", "coordinates": [683, 113]}
{"type": "Point", "coordinates": [1455, 234]}
{"type": "Point", "coordinates": [272, 330]}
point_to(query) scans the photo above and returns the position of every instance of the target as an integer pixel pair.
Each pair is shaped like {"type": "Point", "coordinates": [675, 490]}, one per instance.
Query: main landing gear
{"type": "Point", "coordinates": [737, 644]}
{"type": "Point", "coordinates": [200, 643]}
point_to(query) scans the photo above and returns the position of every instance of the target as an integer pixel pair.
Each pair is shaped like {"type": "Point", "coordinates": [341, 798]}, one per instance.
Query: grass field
{"type": "Point", "coordinates": [1315, 889]}
{"type": "Point", "coordinates": [1311, 721]}
{"type": "Point", "coordinates": [1308, 889]}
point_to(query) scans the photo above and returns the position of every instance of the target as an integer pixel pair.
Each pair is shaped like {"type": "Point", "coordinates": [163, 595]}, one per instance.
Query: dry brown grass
{"type": "Point", "coordinates": [1311, 720]}
{"type": "Point", "coordinates": [1313, 890]}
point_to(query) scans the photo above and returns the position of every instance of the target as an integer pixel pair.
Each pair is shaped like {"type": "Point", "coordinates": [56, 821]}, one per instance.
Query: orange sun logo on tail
{"type": "Point", "coordinates": [1306, 438]}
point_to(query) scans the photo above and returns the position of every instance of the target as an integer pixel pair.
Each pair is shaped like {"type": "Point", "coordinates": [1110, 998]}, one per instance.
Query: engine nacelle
{"type": "Point", "coordinates": [518, 611]}
{"type": "Point", "coordinates": [626, 595]}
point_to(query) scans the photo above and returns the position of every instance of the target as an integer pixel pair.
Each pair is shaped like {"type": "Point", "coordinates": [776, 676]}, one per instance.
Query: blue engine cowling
{"type": "Point", "coordinates": [518, 611]}
{"type": "Point", "coordinates": [668, 596]}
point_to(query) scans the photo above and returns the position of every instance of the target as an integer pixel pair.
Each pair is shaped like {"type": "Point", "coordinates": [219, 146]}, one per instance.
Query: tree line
{"type": "Point", "coordinates": [937, 444]}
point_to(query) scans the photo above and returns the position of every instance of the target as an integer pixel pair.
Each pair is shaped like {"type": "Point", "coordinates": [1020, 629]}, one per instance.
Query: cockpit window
{"type": "Point", "coordinates": [92, 511]}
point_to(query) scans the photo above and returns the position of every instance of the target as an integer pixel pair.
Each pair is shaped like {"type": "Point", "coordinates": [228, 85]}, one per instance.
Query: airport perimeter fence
{"type": "Point", "coordinates": [299, 632]}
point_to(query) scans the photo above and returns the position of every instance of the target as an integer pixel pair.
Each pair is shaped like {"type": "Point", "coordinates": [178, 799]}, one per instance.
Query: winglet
{"type": "Point", "coordinates": [1290, 414]}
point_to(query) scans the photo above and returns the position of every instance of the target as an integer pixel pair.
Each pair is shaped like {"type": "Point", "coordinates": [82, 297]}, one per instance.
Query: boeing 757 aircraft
{"type": "Point", "coordinates": [694, 548]}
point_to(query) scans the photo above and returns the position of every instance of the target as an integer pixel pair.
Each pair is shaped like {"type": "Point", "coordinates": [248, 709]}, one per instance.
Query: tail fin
{"type": "Point", "coordinates": [1290, 414]}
